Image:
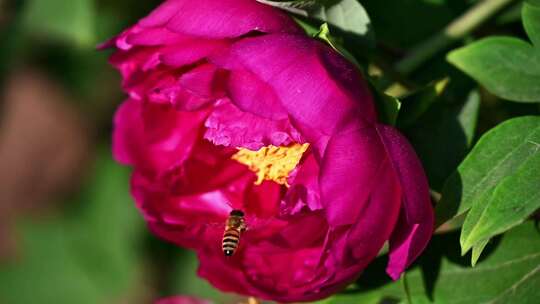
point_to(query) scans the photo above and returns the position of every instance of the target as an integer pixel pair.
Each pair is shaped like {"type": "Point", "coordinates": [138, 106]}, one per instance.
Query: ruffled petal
{"type": "Point", "coordinates": [231, 127]}
{"type": "Point", "coordinates": [304, 191]}
{"type": "Point", "coordinates": [212, 18]}
{"type": "Point", "coordinates": [159, 203]}
{"type": "Point", "coordinates": [317, 87]}
{"type": "Point", "coordinates": [141, 66]}
{"type": "Point", "coordinates": [154, 138]}
{"type": "Point", "coordinates": [190, 91]}
{"type": "Point", "coordinates": [134, 64]}
{"type": "Point", "coordinates": [141, 36]}
{"type": "Point", "coordinates": [415, 225]}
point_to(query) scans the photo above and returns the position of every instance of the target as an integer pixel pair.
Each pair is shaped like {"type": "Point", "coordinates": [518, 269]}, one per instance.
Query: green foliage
{"type": "Point", "coordinates": [90, 253]}
{"type": "Point", "coordinates": [348, 17]}
{"type": "Point", "coordinates": [416, 104]}
{"type": "Point", "coordinates": [89, 258]}
{"type": "Point", "coordinates": [531, 21]}
{"type": "Point", "coordinates": [443, 133]}
{"type": "Point", "coordinates": [510, 273]}
{"type": "Point", "coordinates": [403, 23]}
{"type": "Point", "coordinates": [512, 201]}
{"type": "Point", "coordinates": [325, 35]}
{"type": "Point", "coordinates": [508, 67]}
{"type": "Point", "coordinates": [497, 182]}
{"type": "Point", "coordinates": [66, 20]}
{"type": "Point", "coordinates": [388, 106]}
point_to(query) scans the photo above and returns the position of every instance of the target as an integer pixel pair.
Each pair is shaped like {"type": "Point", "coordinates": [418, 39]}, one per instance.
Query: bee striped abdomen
{"type": "Point", "coordinates": [231, 238]}
{"type": "Point", "coordinates": [234, 227]}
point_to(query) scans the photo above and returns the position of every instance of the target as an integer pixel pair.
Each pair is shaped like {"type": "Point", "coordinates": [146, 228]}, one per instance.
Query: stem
{"type": "Point", "coordinates": [454, 31]}
{"type": "Point", "coordinates": [406, 288]}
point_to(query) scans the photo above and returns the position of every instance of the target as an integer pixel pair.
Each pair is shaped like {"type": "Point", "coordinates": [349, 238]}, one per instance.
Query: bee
{"type": "Point", "coordinates": [234, 227]}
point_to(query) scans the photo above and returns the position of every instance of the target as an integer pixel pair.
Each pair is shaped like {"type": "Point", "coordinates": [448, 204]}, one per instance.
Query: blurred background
{"type": "Point", "coordinates": [69, 231]}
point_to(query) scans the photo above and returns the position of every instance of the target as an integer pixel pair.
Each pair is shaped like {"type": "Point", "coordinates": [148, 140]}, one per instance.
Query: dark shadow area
{"type": "Point", "coordinates": [390, 300]}
{"type": "Point", "coordinates": [448, 206]}
{"type": "Point", "coordinates": [161, 256]}
{"type": "Point", "coordinates": [430, 262]}
{"type": "Point", "coordinates": [374, 276]}
{"type": "Point", "coordinates": [446, 246]}
{"type": "Point", "coordinates": [401, 24]}
{"type": "Point", "coordinates": [440, 139]}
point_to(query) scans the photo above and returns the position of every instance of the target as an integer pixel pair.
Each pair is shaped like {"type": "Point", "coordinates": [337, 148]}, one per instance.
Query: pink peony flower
{"type": "Point", "coordinates": [232, 107]}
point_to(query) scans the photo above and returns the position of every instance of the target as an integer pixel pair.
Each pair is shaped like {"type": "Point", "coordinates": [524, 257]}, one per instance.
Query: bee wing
{"type": "Point", "coordinates": [253, 223]}
{"type": "Point", "coordinates": [215, 225]}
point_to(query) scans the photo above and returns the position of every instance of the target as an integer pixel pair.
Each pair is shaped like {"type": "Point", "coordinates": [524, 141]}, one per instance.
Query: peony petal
{"type": "Point", "coordinates": [133, 63]}
{"type": "Point", "coordinates": [190, 51]}
{"type": "Point", "coordinates": [158, 202]}
{"type": "Point", "coordinates": [140, 36]}
{"type": "Point", "coordinates": [317, 87]}
{"type": "Point", "coordinates": [352, 156]}
{"type": "Point", "coordinates": [162, 14]}
{"type": "Point", "coordinates": [415, 225]}
{"type": "Point", "coordinates": [153, 37]}
{"type": "Point", "coordinates": [212, 18]}
{"type": "Point", "coordinates": [204, 80]}
{"type": "Point", "coordinates": [262, 201]}
{"type": "Point", "coordinates": [286, 274]}
{"type": "Point", "coordinates": [351, 248]}
{"type": "Point", "coordinates": [139, 140]}
{"type": "Point", "coordinates": [139, 65]}
{"type": "Point", "coordinates": [190, 91]}
{"type": "Point", "coordinates": [380, 214]}
{"type": "Point", "coordinates": [304, 190]}
{"type": "Point", "coordinates": [226, 274]}
{"type": "Point", "coordinates": [250, 94]}
{"type": "Point", "coordinates": [127, 132]}
{"type": "Point", "coordinates": [229, 126]}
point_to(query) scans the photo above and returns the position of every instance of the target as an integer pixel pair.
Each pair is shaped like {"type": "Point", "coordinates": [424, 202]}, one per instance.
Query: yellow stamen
{"type": "Point", "coordinates": [271, 162]}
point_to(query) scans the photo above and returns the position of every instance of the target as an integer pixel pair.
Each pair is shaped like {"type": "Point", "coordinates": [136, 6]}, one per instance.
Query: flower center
{"type": "Point", "coordinates": [271, 162]}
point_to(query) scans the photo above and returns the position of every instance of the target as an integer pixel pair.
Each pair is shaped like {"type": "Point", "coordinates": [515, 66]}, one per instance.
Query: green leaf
{"type": "Point", "coordinates": [531, 22]}
{"type": "Point", "coordinates": [387, 106]}
{"type": "Point", "coordinates": [402, 24]}
{"type": "Point", "coordinates": [512, 201]}
{"type": "Point", "coordinates": [325, 35]}
{"type": "Point", "coordinates": [508, 67]}
{"type": "Point", "coordinates": [509, 274]}
{"type": "Point", "coordinates": [416, 104]}
{"type": "Point", "coordinates": [87, 256]}
{"type": "Point", "coordinates": [441, 124]}
{"type": "Point", "coordinates": [497, 155]}
{"type": "Point", "coordinates": [65, 20]}
{"type": "Point", "coordinates": [347, 17]}
{"type": "Point", "coordinates": [477, 250]}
